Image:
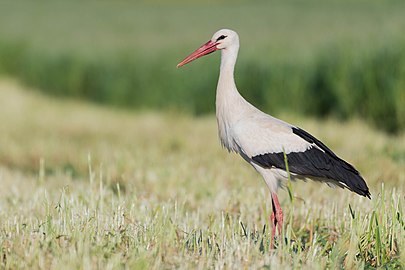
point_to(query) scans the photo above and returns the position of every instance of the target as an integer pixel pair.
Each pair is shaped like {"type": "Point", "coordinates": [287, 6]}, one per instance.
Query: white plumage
{"type": "Point", "coordinates": [262, 140]}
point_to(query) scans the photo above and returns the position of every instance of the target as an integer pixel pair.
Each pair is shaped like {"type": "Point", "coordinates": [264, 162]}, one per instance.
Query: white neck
{"type": "Point", "coordinates": [228, 99]}
{"type": "Point", "coordinates": [226, 80]}
{"type": "Point", "coordinates": [227, 93]}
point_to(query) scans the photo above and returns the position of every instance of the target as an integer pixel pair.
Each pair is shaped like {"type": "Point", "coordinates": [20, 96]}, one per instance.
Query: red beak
{"type": "Point", "coordinates": [205, 49]}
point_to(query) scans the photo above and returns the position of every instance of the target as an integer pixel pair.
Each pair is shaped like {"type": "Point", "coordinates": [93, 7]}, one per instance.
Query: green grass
{"type": "Point", "coordinates": [88, 187]}
{"type": "Point", "coordinates": [344, 58]}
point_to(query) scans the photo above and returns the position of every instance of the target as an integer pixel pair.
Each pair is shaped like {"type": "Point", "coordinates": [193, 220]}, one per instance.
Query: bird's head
{"type": "Point", "coordinates": [222, 40]}
{"type": "Point", "coordinates": [225, 38]}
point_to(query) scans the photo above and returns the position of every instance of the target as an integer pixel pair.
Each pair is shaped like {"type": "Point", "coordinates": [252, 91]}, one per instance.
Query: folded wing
{"type": "Point", "coordinates": [266, 141]}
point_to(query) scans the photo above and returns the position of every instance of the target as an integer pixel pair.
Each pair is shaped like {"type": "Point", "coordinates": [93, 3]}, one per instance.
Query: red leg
{"type": "Point", "coordinates": [278, 212]}
{"type": "Point", "coordinates": [276, 218]}
{"type": "Point", "coordinates": [273, 228]}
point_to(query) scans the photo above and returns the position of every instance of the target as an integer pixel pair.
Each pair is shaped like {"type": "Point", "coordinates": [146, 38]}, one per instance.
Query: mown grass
{"type": "Point", "coordinates": [343, 58]}
{"type": "Point", "coordinates": [88, 187]}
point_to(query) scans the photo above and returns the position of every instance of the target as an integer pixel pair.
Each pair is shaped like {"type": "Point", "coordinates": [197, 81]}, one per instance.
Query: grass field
{"type": "Point", "coordinates": [85, 187]}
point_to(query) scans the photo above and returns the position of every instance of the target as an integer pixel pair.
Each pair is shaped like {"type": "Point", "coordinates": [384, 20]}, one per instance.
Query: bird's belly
{"type": "Point", "coordinates": [273, 177]}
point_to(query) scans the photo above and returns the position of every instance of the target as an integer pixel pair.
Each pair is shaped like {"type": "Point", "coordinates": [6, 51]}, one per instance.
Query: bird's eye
{"type": "Point", "coordinates": [221, 38]}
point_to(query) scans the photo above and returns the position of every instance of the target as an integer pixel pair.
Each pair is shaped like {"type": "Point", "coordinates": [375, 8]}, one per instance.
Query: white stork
{"type": "Point", "coordinates": [262, 140]}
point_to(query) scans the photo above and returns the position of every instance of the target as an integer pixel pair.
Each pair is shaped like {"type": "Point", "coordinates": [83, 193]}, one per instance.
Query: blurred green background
{"type": "Point", "coordinates": [319, 58]}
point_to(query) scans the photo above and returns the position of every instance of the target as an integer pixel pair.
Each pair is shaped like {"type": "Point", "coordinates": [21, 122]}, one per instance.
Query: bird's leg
{"type": "Point", "coordinates": [278, 212]}
{"type": "Point", "coordinates": [273, 228]}
{"type": "Point", "coordinates": [276, 218]}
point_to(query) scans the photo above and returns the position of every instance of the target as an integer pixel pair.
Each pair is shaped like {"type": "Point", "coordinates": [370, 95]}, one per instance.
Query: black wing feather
{"type": "Point", "coordinates": [316, 163]}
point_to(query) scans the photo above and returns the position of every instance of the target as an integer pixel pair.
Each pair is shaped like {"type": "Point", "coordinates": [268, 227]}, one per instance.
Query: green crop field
{"type": "Point", "coordinates": [344, 58]}
{"type": "Point", "coordinates": [85, 187]}
{"type": "Point", "coordinates": [143, 183]}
